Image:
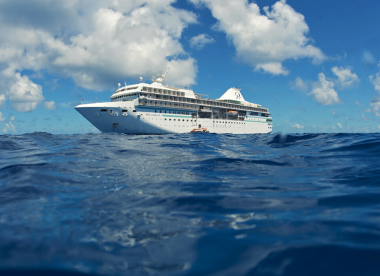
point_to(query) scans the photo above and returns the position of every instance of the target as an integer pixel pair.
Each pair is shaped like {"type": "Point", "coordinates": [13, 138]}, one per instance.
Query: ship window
{"type": "Point", "coordinates": [124, 110]}
{"type": "Point", "coordinates": [111, 111]}
{"type": "Point", "coordinates": [130, 88]}
{"type": "Point", "coordinates": [160, 111]}
{"type": "Point", "coordinates": [155, 111]}
{"type": "Point", "coordinates": [134, 110]}
{"type": "Point", "coordinates": [173, 119]}
{"type": "Point", "coordinates": [165, 111]}
{"type": "Point", "coordinates": [170, 119]}
{"type": "Point", "coordinates": [103, 110]}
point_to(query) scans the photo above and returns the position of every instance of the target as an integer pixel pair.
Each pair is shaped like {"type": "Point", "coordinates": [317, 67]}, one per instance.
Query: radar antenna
{"type": "Point", "coordinates": [160, 76]}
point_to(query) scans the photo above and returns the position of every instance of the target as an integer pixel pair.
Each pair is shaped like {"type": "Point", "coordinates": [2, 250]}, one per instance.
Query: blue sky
{"type": "Point", "coordinates": [314, 64]}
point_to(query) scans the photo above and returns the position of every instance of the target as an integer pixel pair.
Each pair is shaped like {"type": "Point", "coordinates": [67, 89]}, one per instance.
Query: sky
{"type": "Point", "coordinates": [314, 64]}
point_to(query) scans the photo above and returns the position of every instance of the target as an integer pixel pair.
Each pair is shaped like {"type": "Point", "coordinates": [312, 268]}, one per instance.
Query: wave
{"type": "Point", "coordinates": [114, 204]}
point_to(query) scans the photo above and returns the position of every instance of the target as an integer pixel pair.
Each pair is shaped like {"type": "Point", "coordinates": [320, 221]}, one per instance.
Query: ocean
{"type": "Point", "coordinates": [190, 204]}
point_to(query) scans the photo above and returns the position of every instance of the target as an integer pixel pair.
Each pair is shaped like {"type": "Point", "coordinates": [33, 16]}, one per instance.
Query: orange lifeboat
{"type": "Point", "coordinates": [200, 130]}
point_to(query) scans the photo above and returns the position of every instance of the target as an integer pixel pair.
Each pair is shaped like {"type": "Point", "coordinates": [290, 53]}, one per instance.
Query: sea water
{"type": "Point", "coordinates": [191, 204]}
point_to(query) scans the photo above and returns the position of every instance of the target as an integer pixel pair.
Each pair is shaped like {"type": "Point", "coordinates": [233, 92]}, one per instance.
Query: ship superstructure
{"type": "Point", "coordinates": [157, 109]}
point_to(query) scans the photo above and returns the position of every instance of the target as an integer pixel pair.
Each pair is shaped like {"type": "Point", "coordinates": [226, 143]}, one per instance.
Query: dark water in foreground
{"type": "Point", "coordinates": [111, 204]}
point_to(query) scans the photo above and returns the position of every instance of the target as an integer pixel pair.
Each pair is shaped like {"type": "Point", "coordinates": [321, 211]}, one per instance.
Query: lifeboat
{"type": "Point", "coordinates": [200, 130]}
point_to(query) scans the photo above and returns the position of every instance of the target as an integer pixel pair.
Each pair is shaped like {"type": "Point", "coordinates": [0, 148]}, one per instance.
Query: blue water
{"type": "Point", "coordinates": [112, 204]}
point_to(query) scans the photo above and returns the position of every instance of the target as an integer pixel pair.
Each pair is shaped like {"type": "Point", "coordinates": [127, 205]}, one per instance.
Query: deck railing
{"type": "Point", "coordinates": [176, 102]}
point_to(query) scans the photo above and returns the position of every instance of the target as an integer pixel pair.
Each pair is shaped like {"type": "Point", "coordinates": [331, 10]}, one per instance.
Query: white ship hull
{"type": "Point", "coordinates": [125, 117]}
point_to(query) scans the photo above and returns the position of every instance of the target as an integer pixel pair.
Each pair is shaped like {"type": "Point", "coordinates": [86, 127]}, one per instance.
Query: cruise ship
{"type": "Point", "coordinates": [158, 109]}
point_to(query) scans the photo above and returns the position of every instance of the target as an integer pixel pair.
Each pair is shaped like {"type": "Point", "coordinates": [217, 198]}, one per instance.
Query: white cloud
{"type": "Point", "coordinates": [264, 40]}
{"type": "Point", "coordinates": [339, 125]}
{"type": "Point", "coordinates": [50, 105]}
{"type": "Point", "coordinates": [375, 79]}
{"type": "Point", "coordinates": [323, 91]}
{"type": "Point", "coordinates": [96, 43]}
{"type": "Point", "coordinates": [12, 118]}
{"type": "Point", "coordinates": [9, 128]}
{"type": "Point", "coordinates": [24, 94]}
{"type": "Point", "coordinates": [298, 126]}
{"type": "Point", "coordinates": [368, 59]}
{"type": "Point", "coordinates": [200, 41]}
{"type": "Point", "coordinates": [300, 85]}
{"type": "Point", "coordinates": [375, 104]}
{"type": "Point", "coordinates": [2, 119]}
{"type": "Point", "coordinates": [275, 68]}
{"type": "Point", "coordinates": [356, 102]}
{"type": "Point", "coordinates": [346, 79]}
{"type": "Point", "coordinates": [2, 100]}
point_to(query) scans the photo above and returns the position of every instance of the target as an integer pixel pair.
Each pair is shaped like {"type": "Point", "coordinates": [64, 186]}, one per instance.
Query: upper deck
{"type": "Point", "coordinates": [156, 94]}
{"type": "Point", "coordinates": [153, 95]}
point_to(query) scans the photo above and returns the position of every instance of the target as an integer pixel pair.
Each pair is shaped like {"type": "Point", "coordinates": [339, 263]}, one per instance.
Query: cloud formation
{"type": "Point", "coordinates": [368, 59]}
{"type": "Point", "coordinates": [323, 91]}
{"type": "Point", "coordinates": [2, 100]}
{"type": "Point", "coordinates": [50, 105]}
{"type": "Point", "coordinates": [298, 126]}
{"type": "Point", "coordinates": [96, 43]}
{"type": "Point", "coordinates": [200, 41]}
{"type": "Point", "coordinates": [2, 119]}
{"type": "Point", "coordinates": [264, 40]}
{"type": "Point", "coordinates": [375, 104]}
{"type": "Point", "coordinates": [375, 101]}
{"type": "Point", "coordinates": [9, 128]}
{"type": "Point", "coordinates": [24, 94]}
{"type": "Point", "coordinates": [346, 79]}
{"type": "Point", "coordinates": [375, 80]}
{"type": "Point", "coordinates": [300, 85]}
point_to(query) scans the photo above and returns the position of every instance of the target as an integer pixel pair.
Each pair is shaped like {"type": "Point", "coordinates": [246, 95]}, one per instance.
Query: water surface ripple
{"type": "Point", "coordinates": [113, 204]}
